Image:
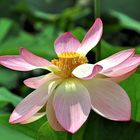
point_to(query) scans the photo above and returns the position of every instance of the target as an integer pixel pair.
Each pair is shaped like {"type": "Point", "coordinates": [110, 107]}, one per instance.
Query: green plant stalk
{"type": "Point", "coordinates": [96, 8]}
{"type": "Point", "coordinates": [96, 15]}
{"type": "Point", "coordinates": [69, 136]}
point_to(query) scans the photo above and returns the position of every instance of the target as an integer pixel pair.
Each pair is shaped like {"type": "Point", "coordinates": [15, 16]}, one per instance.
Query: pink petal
{"type": "Point", "coordinates": [51, 115]}
{"type": "Point", "coordinates": [33, 118]}
{"type": "Point", "coordinates": [92, 37]}
{"type": "Point", "coordinates": [36, 82]}
{"type": "Point", "coordinates": [33, 59]}
{"type": "Point", "coordinates": [116, 59]}
{"type": "Point", "coordinates": [86, 71]}
{"type": "Point", "coordinates": [32, 103]}
{"type": "Point", "coordinates": [122, 77]}
{"type": "Point", "coordinates": [66, 43]}
{"type": "Point", "coordinates": [109, 100]}
{"type": "Point", "coordinates": [16, 63]}
{"type": "Point", "coordinates": [71, 104]}
{"type": "Point", "coordinates": [127, 66]}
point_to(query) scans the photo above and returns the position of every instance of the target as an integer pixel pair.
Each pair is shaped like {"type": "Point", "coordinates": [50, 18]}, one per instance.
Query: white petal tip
{"type": "Point", "coordinates": [72, 131]}
{"type": "Point", "coordinates": [11, 121]}
{"type": "Point", "coordinates": [14, 118]}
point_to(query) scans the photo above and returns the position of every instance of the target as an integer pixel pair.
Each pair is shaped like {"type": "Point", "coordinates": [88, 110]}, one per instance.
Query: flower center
{"type": "Point", "coordinates": [68, 61]}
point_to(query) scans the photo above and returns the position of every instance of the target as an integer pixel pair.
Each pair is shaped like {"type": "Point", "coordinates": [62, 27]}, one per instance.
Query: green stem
{"type": "Point", "coordinates": [96, 15]}
{"type": "Point", "coordinates": [69, 136]}
{"type": "Point", "coordinates": [96, 8]}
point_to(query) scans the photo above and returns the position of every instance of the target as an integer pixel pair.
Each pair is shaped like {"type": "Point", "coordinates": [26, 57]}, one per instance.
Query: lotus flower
{"type": "Point", "coordinates": [73, 87]}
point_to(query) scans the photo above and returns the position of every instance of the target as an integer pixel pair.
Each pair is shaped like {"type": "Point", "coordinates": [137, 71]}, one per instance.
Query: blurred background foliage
{"type": "Point", "coordinates": [35, 24]}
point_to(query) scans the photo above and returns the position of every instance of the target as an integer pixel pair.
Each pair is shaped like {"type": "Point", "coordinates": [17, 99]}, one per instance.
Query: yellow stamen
{"type": "Point", "coordinates": [68, 61]}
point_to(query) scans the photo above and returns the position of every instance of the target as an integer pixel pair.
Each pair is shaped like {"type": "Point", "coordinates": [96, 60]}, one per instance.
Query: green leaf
{"type": "Point", "coordinates": [5, 25]}
{"type": "Point", "coordinates": [46, 132]}
{"type": "Point", "coordinates": [8, 97]}
{"type": "Point", "coordinates": [8, 82]}
{"type": "Point", "coordinates": [7, 131]}
{"type": "Point", "coordinates": [125, 6]}
{"type": "Point", "coordinates": [11, 134]}
{"type": "Point", "coordinates": [41, 44]}
{"type": "Point", "coordinates": [126, 21]}
{"type": "Point", "coordinates": [79, 33]}
{"type": "Point", "coordinates": [75, 13]}
{"type": "Point", "coordinates": [132, 87]}
{"type": "Point", "coordinates": [42, 9]}
{"type": "Point", "coordinates": [99, 128]}
{"type": "Point", "coordinates": [96, 127]}
{"type": "Point", "coordinates": [109, 49]}
{"type": "Point", "coordinates": [28, 131]}
{"type": "Point", "coordinates": [45, 16]}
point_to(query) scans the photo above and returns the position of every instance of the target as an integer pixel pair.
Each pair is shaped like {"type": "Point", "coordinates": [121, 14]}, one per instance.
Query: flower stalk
{"type": "Point", "coordinates": [96, 15]}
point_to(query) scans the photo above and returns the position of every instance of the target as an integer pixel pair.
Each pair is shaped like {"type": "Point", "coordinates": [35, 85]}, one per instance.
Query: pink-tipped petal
{"type": "Point", "coordinates": [86, 71]}
{"type": "Point", "coordinates": [127, 66]}
{"type": "Point", "coordinates": [36, 82]}
{"type": "Point", "coordinates": [116, 59]}
{"type": "Point", "coordinates": [51, 115]}
{"type": "Point", "coordinates": [34, 59]}
{"type": "Point", "coordinates": [16, 63]}
{"type": "Point", "coordinates": [109, 100]}
{"type": "Point", "coordinates": [122, 77]}
{"type": "Point", "coordinates": [66, 43]}
{"type": "Point", "coordinates": [32, 103]}
{"type": "Point", "coordinates": [92, 37]}
{"type": "Point", "coordinates": [35, 117]}
{"type": "Point", "coordinates": [71, 104]}
{"type": "Point", "coordinates": [117, 79]}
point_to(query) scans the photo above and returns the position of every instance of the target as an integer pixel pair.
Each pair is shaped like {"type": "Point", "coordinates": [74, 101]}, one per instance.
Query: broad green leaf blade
{"type": "Point", "coordinates": [130, 7]}
{"type": "Point", "coordinates": [30, 130]}
{"type": "Point", "coordinates": [11, 134]}
{"type": "Point", "coordinates": [8, 78]}
{"type": "Point", "coordinates": [8, 97]}
{"type": "Point", "coordinates": [99, 128]}
{"type": "Point", "coordinates": [96, 127]}
{"type": "Point", "coordinates": [79, 33]}
{"type": "Point", "coordinates": [126, 21]}
{"type": "Point", "coordinates": [47, 133]}
{"type": "Point", "coordinates": [132, 87]}
{"type": "Point", "coordinates": [108, 49]}
{"type": "Point", "coordinates": [41, 44]}
{"type": "Point", "coordinates": [5, 25]}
